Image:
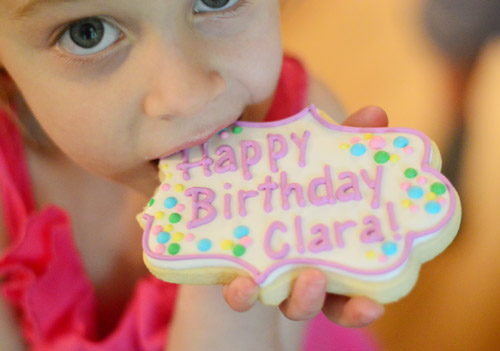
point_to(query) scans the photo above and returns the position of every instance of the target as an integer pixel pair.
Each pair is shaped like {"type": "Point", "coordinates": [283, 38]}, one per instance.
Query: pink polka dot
{"type": "Point", "coordinates": [160, 248]}
{"type": "Point", "coordinates": [408, 150]}
{"type": "Point", "coordinates": [355, 140]}
{"type": "Point", "coordinates": [157, 229]}
{"type": "Point", "coordinates": [405, 186]}
{"type": "Point", "coordinates": [398, 237]}
{"type": "Point", "coordinates": [189, 237]}
{"type": "Point", "coordinates": [180, 208]}
{"type": "Point", "coordinates": [414, 208]}
{"type": "Point", "coordinates": [224, 135]}
{"type": "Point", "coordinates": [442, 201]}
{"type": "Point", "coordinates": [377, 143]}
{"type": "Point", "coordinates": [246, 241]}
{"type": "Point", "coordinates": [422, 180]}
{"type": "Point", "coordinates": [382, 258]}
{"type": "Point", "coordinates": [165, 187]}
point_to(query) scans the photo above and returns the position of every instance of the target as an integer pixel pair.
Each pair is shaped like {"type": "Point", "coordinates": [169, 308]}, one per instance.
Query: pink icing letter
{"type": "Point", "coordinates": [205, 162]}
{"type": "Point", "coordinates": [312, 189]}
{"type": "Point", "coordinates": [286, 190]}
{"type": "Point", "coordinates": [350, 190]}
{"type": "Point", "coordinates": [339, 228]}
{"type": "Point", "coordinates": [374, 184]}
{"type": "Point", "coordinates": [228, 214]}
{"type": "Point", "coordinates": [201, 204]}
{"type": "Point", "coordinates": [246, 160]}
{"type": "Point", "coordinates": [275, 155]}
{"type": "Point", "coordinates": [322, 242]}
{"type": "Point", "coordinates": [268, 247]}
{"type": "Point", "coordinates": [228, 160]}
{"type": "Point", "coordinates": [374, 232]}
{"type": "Point", "coordinates": [392, 216]}
{"type": "Point", "coordinates": [299, 237]}
{"type": "Point", "coordinates": [267, 187]}
{"type": "Point", "coordinates": [242, 196]}
{"type": "Point", "coordinates": [301, 144]}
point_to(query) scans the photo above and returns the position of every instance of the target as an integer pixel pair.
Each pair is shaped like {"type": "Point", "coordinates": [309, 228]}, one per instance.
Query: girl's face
{"type": "Point", "coordinates": [118, 84]}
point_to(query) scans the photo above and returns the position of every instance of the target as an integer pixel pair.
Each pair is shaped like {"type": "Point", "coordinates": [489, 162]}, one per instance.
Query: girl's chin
{"type": "Point", "coordinates": [145, 181]}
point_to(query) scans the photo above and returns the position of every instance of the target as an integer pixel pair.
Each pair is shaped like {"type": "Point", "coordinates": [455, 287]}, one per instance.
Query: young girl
{"type": "Point", "coordinates": [99, 91]}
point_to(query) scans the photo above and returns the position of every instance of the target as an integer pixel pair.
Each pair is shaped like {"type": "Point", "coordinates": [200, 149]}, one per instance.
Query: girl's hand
{"type": "Point", "coordinates": [308, 296]}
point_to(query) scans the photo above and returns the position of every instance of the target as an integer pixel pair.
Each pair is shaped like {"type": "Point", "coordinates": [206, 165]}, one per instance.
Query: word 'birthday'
{"type": "Point", "coordinates": [319, 191]}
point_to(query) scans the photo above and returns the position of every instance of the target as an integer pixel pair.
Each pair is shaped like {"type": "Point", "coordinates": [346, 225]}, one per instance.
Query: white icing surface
{"type": "Point", "coordinates": [326, 147]}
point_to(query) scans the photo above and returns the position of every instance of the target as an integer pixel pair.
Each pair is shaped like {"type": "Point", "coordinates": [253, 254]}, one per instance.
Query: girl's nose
{"type": "Point", "coordinates": [180, 88]}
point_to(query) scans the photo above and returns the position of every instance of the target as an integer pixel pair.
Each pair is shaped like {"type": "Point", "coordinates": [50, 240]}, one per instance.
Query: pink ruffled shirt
{"type": "Point", "coordinates": [42, 274]}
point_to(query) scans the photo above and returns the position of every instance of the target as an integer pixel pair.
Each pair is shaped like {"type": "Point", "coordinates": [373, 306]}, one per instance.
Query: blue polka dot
{"type": "Point", "coordinates": [401, 142]}
{"type": "Point", "coordinates": [358, 150]}
{"type": "Point", "coordinates": [204, 245]}
{"type": "Point", "coordinates": [241, 231]}
{"type": "Point", "coordinates": [170, 202]}
{"type": "Point", "coordinates": [389, 248]}
{"type": "Point", "coordinates": [163, 237]}
{"type": "Point", "coordinates": [415, 192]}
{"type": "Point", "coordinates": [433, 207]}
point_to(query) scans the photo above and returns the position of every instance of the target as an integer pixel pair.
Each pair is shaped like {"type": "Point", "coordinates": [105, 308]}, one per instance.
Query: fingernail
{"type": "Point", "coordinates": [246, 291]}
{"type": "Point", "coordinates": [372, 315]}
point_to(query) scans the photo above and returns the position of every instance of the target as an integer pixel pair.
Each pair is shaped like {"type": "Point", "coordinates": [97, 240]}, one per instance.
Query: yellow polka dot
{"type": "Point", "coordinates": [394, 158]}
{"type": "Point", "coordinates": [406, 203]}
{"type": "Point", "coordinates": [159, 215]}
{"type": "Point", "coordinates": [179, 188]}
{"type": "Point", "coordinates": [178, 237]}
{"type": "Point", "coordinates": [344, 146]}
{"type": "Point", "coordinates": [431, 196]}
{"type": "Point", "coordinates": [164, 167]}
{"type": "Point", "coordinates": [227, 245]}
{"type": "Point", "coordinates": [168, 175]}
{"type": "Point", "coordinates": [168, 227]}
{"type": "Point", "coordinates": [371, 255]}
{"type": "Point", "coordinates": [368, 136]}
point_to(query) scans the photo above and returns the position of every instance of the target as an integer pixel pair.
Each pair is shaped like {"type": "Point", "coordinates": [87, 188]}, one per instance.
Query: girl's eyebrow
{"type": "Point", "coordinates": [30, 8]}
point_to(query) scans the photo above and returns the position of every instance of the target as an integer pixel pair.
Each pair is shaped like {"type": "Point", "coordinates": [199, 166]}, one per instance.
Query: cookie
{"type": "Point", "coordinates": [367, 206]}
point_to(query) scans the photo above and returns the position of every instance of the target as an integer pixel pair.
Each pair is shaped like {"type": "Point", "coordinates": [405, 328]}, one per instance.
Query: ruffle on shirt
{"type": "Point", "coordinates": [45, 280]}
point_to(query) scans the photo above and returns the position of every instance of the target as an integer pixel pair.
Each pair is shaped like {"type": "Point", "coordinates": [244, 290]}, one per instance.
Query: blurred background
{"type": "Point", "coordinates": [433, 65]}
{"type": "Point", "coordinates": [376, 52]}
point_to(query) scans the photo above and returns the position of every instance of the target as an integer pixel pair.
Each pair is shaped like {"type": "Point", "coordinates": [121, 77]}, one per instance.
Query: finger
{"type": "Point", "coordinates": [241, 293]}
{"type": "Point", "coordinates": [352, 311]}
{"type": "Point", "coordinates": [308, 296]}
{"type": "Point", "coordinates": [370, 116]}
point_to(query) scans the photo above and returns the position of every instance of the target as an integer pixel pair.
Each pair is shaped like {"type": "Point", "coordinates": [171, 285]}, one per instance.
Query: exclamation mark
{"type": "Point", "coordinates": [393, 221]}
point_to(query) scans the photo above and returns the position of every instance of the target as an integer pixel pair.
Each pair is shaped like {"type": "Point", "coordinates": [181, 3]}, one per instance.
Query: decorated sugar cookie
{"type": "Point", "coordinates": [365, 205]}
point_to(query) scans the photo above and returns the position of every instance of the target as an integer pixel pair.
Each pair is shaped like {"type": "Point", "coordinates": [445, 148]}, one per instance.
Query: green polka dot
{"type": "Point", "coordinates": [239, 250]}
{"type": "Point", "coordinates": [174, 218]}
{"type": "Point", "coordinates": [174, 249]}
{"type": "Point", "coordinates": [381, 157]}
{"type": "Point", "coordinates": [151, 202]}
{"type": "Point", "coordinates": [411, 173]}
{"type": "Point", "coordinates": [438, 188]}
{"type": "Point", "coordinates": [237, 130]}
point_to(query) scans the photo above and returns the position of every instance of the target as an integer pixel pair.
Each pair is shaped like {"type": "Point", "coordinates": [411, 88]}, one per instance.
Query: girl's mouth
{"type": "Point", "coordinates": [194, 142]}
{"type": "Point", "coordinates": [155, 162]}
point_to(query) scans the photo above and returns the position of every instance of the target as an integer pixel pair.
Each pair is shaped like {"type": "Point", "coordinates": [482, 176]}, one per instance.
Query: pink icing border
{"type": "Point", "coordinates": [261, 277]}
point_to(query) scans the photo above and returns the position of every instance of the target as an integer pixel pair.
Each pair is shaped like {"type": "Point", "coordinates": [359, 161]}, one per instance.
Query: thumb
{"type": "Point", "coordinates": [370, 116]}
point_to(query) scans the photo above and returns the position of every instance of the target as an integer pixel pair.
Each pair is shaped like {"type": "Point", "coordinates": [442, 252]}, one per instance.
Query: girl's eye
{"type": "Point", "coordinates": [201, 6]}
{"type": "Point", "coordinates": [89, 36]}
